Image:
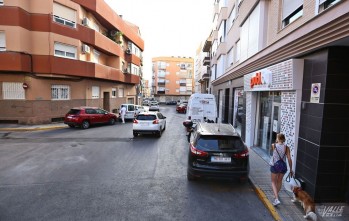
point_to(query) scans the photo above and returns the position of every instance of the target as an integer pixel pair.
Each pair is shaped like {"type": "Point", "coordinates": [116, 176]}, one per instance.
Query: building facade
{"type": "Point", "coordinates": [172, 78]}
{"type": "Point", "coordinates": [57, 54]}
{"type": "Point", "coordinates": [280, 66]}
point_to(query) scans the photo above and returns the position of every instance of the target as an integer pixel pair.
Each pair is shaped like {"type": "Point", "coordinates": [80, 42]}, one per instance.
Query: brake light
{"type": "Point", "coordinates": [135, 121]}
{"type": "Point", "coordinates": [156, 121]}
{"type": "Point", "coordinates": [242, 154]}
{"type": "Point", "coordinates": [197, 152]}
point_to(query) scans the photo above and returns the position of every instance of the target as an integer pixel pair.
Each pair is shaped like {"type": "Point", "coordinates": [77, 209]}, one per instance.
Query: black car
{"type": "Point", "coordinates": [216, 150]}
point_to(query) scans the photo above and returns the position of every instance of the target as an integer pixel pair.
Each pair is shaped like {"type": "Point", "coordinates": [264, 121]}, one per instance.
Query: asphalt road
{"type": "Point", "coordinates": [103, 173]}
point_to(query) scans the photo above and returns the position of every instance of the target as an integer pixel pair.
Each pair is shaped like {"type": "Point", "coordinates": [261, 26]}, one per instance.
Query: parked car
{"type": "Point", "coordinates": [130, 111]}
{"type": "Point", "coordinates": [139, 109]}
{"type": "Point", "coordinates": [171, 102]}
{"type": "Point", "coordinates": [84, 117]}
{"type": "Point", "coordinates": [216, 150]}
{"type": "Point", "coordinates": [154, 106]}
{"type": "Point", "coordinates": [149, 123]}
{"type": "Point", "coordinates": [182, 108]}
{"type": "Point", "coordinates": [145, 102]}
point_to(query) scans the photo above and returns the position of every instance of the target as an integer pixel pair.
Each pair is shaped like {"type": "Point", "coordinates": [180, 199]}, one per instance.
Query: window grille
{"type": "Point", "coordinates": [60, 92]}
{"type": "Point", "coordinates": [13, 90]}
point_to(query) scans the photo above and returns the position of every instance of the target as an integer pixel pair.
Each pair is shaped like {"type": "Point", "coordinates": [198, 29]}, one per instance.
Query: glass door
{"type": "Point", "coordinates": [275, 122]}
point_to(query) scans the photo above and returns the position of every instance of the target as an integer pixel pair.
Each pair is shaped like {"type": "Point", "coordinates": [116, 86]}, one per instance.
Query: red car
{"type": "Point", "coordinates": [182, 108]}
{"type": "Point", "coordinates": [84, 117]}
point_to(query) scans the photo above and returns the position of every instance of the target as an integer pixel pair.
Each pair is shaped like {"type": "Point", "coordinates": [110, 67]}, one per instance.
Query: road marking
{"type": "Point", "coordinates": [267, 203]}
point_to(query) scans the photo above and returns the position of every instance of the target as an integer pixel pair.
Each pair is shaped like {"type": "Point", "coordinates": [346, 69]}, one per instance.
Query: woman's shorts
{"type": "Point", "coordinates": [272, 169]}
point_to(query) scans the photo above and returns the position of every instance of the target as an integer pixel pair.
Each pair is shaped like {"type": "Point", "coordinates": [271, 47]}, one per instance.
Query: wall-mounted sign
{"type": "Point", "coordinates": [315, 93]}
{"type": "Point", "coordinates": [261, 80]}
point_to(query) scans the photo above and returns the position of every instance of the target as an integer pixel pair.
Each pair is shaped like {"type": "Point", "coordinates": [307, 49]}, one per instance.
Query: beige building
{"type": "Point", "coordinates": [55, 55]}
{"type": "Point", "coordinates": [172, 78]}
{"type": "Point", "coordinates": [280, 66]}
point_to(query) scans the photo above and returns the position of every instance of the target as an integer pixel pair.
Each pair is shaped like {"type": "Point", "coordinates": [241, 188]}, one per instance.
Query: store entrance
{"type": "Point", "coordinates": [268, 120]}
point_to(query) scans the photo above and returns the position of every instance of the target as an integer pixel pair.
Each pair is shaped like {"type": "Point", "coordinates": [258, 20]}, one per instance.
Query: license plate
{"type": "Point", "coordinates": [143, 123]}
{"type": "Point", "coordinates": [220, 159]}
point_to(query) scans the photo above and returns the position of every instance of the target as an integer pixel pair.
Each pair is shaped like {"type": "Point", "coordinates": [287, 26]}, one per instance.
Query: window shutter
{"type": "Point", "coordinates": [64, 12]}
{"type": "Point", "coordinates": [2, 41]}
{"type": "Point", "coordinates": [289, 6]}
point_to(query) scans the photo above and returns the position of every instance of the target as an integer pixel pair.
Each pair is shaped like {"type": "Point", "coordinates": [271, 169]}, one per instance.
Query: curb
{"type": "Point", "coordinates": [261, 195]}
{"type": "Point", "coordinates": [33, 129]}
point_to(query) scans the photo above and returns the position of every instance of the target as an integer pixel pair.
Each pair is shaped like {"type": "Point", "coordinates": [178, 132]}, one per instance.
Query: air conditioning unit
{"type": "Point", "coordinates": [125, 70]}
{"type": "Point", "coordinates": [85, 49]}
{"type": "Point", "coordinates": [128, 51]}
{"type": "Point", "coordinates": [86, 22]}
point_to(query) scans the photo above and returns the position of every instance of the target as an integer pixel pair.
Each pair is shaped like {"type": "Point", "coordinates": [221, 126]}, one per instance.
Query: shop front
{"type": "Point", "coordinates": [273, 98]}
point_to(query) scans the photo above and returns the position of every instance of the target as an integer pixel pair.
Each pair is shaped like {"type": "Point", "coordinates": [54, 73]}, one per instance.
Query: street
{"type": "Point", "coordinates": [103, 173]}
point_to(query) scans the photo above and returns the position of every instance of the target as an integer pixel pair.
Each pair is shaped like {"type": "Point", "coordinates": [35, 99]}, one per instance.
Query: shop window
{"type": "Point", "coordinates": [95, 92]}
{"type": "Point", "coordinates": [60, 92]}
{"type": "Point", "coordinates": [291, 11]}
{"type": "Point", "coordinates": [64, 15]}
{"type": "Point", "coordinates": [66, 51]}
{"type": "Point", "coordinates": [2, 41]}
{"type": "Point", "coordinates": [325, 4]}
{"type": "Point", "coordinates": [13, 91]}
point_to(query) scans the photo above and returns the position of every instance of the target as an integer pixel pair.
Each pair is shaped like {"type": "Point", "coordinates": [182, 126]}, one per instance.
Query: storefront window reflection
{"type": "Point", "coordinates": [239, 112]}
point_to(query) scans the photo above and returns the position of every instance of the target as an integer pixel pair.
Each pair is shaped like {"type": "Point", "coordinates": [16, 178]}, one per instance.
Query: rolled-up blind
{"type": "Point", "coordinates": [64, 12]}
{"type": "Point", "coordinates": [289, 6]}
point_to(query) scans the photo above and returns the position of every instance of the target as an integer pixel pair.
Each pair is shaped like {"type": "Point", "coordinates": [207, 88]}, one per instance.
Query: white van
{"type": "Point", "coordinates": [130, 111]}
{"type": "Point", "coordinates": [202, 108]}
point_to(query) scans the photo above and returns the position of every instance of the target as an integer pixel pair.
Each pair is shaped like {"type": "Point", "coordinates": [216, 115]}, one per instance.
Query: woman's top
{"type": "Point", "coordinates": [281, 149]}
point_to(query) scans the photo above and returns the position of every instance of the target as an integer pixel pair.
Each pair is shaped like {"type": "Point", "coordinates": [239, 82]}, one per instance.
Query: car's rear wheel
{"type": "Point", "coordinates": [190, 177]}
{"type": "Point", "coordinates": [159, 132]}
{"type": "Point", "coordinates": [85, 124]}
{"type": "Point", "coordinates": [112, 121]}
{"type": "Point", "coordinates": [165, 126]}
{"type": "Point", "coordinates": [71, 125]}
{"type": "Point", "coordinates": [135, 134]}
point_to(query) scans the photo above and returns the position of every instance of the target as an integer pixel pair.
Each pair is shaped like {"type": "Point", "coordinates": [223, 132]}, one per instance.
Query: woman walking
{"type": "Point", "coordinates": [277, 167]}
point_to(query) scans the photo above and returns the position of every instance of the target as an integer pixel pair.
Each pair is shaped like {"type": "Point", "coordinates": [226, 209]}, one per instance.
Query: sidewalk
{"type": "Point", "coordinates": [259, 178]}
{"type": "Point", "coordinates": [287, 211]}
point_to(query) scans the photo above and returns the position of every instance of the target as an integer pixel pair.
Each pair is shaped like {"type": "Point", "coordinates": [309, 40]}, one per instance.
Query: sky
{"type": "Point", "coordinates": [168, 27]}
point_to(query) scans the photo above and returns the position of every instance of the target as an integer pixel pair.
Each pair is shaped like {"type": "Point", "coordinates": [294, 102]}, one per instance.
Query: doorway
{"type": "Point", "coordinates": [106, 101]}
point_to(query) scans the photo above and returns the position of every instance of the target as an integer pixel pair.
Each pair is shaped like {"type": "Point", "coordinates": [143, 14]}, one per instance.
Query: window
{"type": "Point", "coordinates": [325, 4]}
{"type": "Point", "coordinates": [96, 55]}
{"type": "Point", "coordinates": [230, 58]}
{"type": "Point", "coordinates": [221, 32]}
{"type": "Point", "coordinates": [237, 57]}
{"type": "Point", "coordinates": [1, 2]}
{"type": "Point", "coordinates": [95, 92]}
{"type": "Point", "coordinates": [231, 18]}
{"type": "Point", "coordinates": [291, 10]}
{"type": "Point", "coordinates": [2, 41]}
{"type": "Point", "coordinates": [66, 51]}
{"type": "Point", "coordinates": [64, 15]}
{"type": "Point", "coordinates": [60, 92]}
{"type": "Point", "coordinates": [250, 34]}
{"type": "Point", "coordinates": [13, 90]}
{"type": "Point", "coordinates": [121, 92]}
{"type": "Point", "coordinates": [113, 92]}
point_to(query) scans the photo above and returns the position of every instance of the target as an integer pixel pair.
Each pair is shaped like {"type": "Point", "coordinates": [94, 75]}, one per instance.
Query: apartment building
{"type": "Point", "coordinates": [282, 66]}
{"type": "Point", "coordinates": [57, 54]}
{"type": "Point", "coordinates": [202, 70]}
{"type": "Point", "coordinates": [172, 78]}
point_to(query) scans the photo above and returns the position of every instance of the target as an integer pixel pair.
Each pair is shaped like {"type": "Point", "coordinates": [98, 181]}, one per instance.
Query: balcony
{"type": "Point", "coordinates": [50, 65]}
{"type": "Point", "coordinates": [15, 61]}
{"type": "Point", "coordinates": [206, 61]}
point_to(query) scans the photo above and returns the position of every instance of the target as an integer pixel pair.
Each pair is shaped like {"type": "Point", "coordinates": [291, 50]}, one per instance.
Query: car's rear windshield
{"type": "Point", "coordinates": [220, 143]}
{"type": "Point", "coordinates": [74, 111]}
{"type": "Point", "coordinates": [146, 117]}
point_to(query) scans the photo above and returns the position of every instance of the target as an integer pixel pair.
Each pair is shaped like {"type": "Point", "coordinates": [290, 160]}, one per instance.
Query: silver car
{"type": "Point", "coordinates": [154, 106]}
{"type": "Point", "coordinates": [149, 123]}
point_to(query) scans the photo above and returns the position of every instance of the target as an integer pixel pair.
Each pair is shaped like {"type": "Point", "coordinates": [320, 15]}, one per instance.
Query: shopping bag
{"type": "Point", "coordinates": [290, 182]}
